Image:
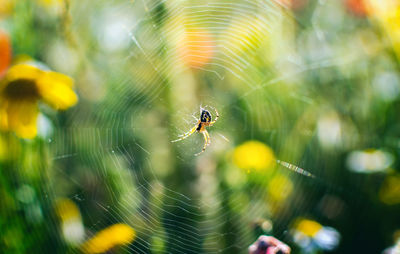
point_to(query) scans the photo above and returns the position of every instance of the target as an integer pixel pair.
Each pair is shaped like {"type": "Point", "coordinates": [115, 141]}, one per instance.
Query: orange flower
{"type": "Point", "coordinates": [5, 52]}
{"type": "Point", "coordinates": [357, 7]}
{"type": "Point", "coordinates": [196, 47]}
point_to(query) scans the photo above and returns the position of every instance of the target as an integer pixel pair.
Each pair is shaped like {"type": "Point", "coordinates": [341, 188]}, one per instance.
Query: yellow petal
{"type": "Point", "coordinates": [244, 35]}
{"type": "Point", "coordinates": [23, 71]}
{"type": "Point", "coordinates": [280, 188]}
{"type": "Point", "coordinates": [50, 3]}
{"type": "Point", "coordinates": [56, 90]}
{"type": "Point", "coordinates": [3, 114]}
{"type": "Point", "coordinates": [108, 238]}
{"type": "Point", "coordinates": [66, 209]}
{"type": "Point", "coordinates": [253, 155]}
{"type": "Point", "coordinates": [21, 117]}
{"type": "Point", "coordinates": [308, 227]}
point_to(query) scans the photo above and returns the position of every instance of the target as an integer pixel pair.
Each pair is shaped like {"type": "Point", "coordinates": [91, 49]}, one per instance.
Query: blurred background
{"type": "Point", "coordinates": [306, 147]}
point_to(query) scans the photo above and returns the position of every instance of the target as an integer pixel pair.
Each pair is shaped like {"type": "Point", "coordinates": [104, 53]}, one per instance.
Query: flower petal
{"type": "Point", "coordinates": [56, 90]}
{"type": "Point", "coordinates": [5, 51]}
{"type": "Point", "coordinates": [3, 114]}
{"type": "Point", "coordinates": [253, 155]}
{"type": "Point", "coordinates": [21, 117]}
{"type": "Point", "coordinates": [117, 234]}
{"type": "Point", "coordinates": [23, 71]}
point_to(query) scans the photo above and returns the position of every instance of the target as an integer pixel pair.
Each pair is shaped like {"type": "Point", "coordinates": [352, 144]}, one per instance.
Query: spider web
{"type": "Point", "coordinates": [117, 153]}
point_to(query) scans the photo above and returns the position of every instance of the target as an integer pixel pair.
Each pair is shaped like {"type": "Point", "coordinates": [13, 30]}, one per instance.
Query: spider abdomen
{"type": "Point", "coordinates": [205, 116]}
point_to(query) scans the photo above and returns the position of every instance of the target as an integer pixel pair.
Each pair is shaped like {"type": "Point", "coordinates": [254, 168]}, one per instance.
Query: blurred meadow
{"type": "Point", "coordinates": [306, 147]}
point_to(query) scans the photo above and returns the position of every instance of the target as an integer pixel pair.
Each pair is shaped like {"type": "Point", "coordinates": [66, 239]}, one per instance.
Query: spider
{"type": "Point", "coordinates": [200, 127]}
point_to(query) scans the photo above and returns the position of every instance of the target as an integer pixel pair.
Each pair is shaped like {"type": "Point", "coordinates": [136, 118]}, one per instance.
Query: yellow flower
{"type": "Point", "coordinates": [6, 7]}
{"type": "Point", "coordinates": [52, 6]}
{"type": "Point", "coordinates": [117, 234]}
{"type": "Point", "coordinates": [308, 227]}
{"type": "Point", "coordinates": [387, 13]}
{"type": "Point", "coordinates": [21, 89]}
{"type": "Point", "coordinates": [312, 236]}
{"type": "Point", "coordinates": [244, 35]}
{"type": "Point", "coordinates": [50, 2]}
{"type": "Point", "coordinates": [280, 187]}
{"type": "Point", "coordinates": [71, 221]}
{"type": "Point", "coordinates": [66, 209]}
{"type": "Point", "coordinates": [253, 155]}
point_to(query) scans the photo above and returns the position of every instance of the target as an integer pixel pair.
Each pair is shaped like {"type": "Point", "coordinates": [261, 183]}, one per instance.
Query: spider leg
{"type": "Point", "coordinates": [187, 134]}
{"type": "Point", "coordinates": [208, 138]}
{"type": "Point", "coordinates": [207, 142]}
{"type": "Point", "coordinates": [216, 117]}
